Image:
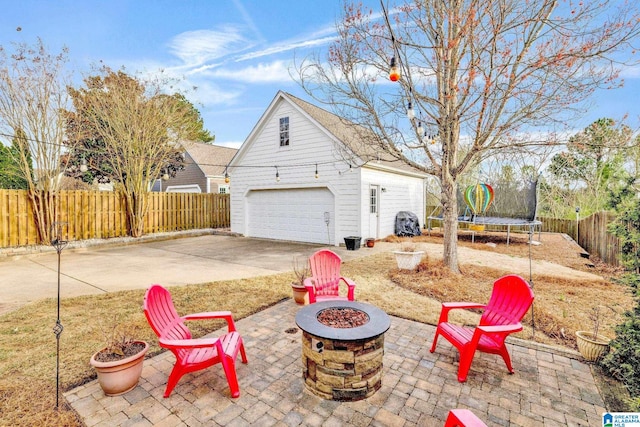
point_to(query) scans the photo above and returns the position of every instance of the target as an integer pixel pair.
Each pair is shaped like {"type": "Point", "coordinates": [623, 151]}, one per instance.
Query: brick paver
{"type": "Point", "coordinates": [550, 387]}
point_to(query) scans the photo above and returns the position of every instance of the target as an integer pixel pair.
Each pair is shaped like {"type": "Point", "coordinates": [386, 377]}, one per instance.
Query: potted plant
{"type": "Point", "coordinates": [119, 363]}
{"type": "Point", "coordinates": [408, 257]}
{"type": "Point", "coordinates": [591, 345]}
{"type": "Point", "coordinates": [301, 272]}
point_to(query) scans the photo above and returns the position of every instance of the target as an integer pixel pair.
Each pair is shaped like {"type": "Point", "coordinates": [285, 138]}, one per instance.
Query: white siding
{"type": "Point", "coordinates": [401, 193]}
{"type": "Point", "coordinates": [309, 145]}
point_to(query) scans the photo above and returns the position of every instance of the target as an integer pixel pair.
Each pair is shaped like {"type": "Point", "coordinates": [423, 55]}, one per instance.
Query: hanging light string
{"type": "Point", "coordinates": [83, 151]}
{"type": "Point", "coordinates": [395, 65]}
{"type": "Point", "coordinates": [396, 69]}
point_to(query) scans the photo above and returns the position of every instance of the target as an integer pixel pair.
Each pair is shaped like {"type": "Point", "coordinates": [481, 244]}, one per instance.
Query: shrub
{"type": "Point", "coordinates": [623, 361]}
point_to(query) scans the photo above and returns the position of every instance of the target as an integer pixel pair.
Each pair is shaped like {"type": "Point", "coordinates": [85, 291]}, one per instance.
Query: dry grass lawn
{"type": "Point", "coordinates": [28, 345]}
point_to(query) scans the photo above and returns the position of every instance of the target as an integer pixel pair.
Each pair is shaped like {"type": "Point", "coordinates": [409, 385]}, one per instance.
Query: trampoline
{"type": "Point", "coordinates": [515, 205]}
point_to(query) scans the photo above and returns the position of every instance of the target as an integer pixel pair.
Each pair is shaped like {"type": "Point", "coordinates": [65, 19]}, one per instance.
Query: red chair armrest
{"type": "Point", "coordinates": [351, 287]}
{"type": "Point", "coordinates": [308, 284]}
{"type": "Point", "coordinates": [190, 343]}
{"type": "Point", "coordinates": [456, 305]}
{"type": "Point", "coordinates": [447, 306]}
{"type": "Point", "coordinates": [508, 329]}
{"type": "Point", "coordinates": [208, 315]}
{"type": "Point", "coordinates": [226, 315]}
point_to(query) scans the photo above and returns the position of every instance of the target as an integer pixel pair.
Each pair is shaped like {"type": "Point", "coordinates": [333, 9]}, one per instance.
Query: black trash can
{"type": "Point", "coordinates": [352, 242]}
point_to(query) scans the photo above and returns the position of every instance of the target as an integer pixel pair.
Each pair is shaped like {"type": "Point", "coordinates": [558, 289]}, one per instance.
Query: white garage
{"type": "Point", "coordinates": [301, 166]}
{"type": "Point", "coordinates": [296, 214]}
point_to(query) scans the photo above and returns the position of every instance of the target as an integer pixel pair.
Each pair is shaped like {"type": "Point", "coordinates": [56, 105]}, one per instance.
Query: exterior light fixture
{"type": "Point", "coordinates": [394, 71]}
{"type": "Point", "coordinates": [83, 165]}
{"type": "Point", "coordinates": [411, 113]}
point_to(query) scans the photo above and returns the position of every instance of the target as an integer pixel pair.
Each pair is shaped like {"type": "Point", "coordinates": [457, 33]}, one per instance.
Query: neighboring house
{"type": "Point", "coordinates": [204, 170]}
{"type": "Point", "coordinates": [298, 177]}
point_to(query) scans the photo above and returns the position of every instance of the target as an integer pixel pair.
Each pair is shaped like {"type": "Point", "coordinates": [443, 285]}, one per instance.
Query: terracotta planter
{"type": "Point", "coordinates": [120, 376]}
{"type": "Point", "coordinates": [589, 348]}
{"type": "Point", "coordinates": [370, 242]}
{"type": "Point", "coordinates": [408, 260]}
{"type": "Point", "coordinates": [299, 294]}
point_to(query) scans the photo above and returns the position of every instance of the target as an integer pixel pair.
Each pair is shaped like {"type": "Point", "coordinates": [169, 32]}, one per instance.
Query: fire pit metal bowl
{"type": "Point", "coordinates": [342, 363]}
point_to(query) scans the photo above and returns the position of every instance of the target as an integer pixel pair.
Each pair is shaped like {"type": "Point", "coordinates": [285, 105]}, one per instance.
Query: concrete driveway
{"type": "Point", "coordinates": [101, 268]}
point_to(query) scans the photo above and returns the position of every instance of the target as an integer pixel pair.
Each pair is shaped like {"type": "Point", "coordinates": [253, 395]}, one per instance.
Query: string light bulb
{"type": "Point", "coordinates": [226, 177]}
{"type": "Point", "coordinates": [165, 175]}
{"type": "Point", "coordinates": [394, 70]}
{"type": "Point", "coordinates": [83, 165]}
{"type": "Point", "coordinates": [411, 113]}
{"type": "Point", "coordinates": [317, 171]}
{"type": "Point", "coordinates": [420, 128]}
{"type": "Point", "coordinates": [277, 175]}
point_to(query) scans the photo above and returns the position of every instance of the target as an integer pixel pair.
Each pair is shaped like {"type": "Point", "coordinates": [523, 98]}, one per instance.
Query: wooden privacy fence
{"type": "Point", "coordinates": [591, 233]}
{"type": "Point", "coordinates": [101, 214]}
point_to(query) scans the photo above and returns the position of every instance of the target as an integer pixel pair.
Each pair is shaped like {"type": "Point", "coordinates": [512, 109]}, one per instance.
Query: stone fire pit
{"type": "Point", "coordinates": [342, 348]}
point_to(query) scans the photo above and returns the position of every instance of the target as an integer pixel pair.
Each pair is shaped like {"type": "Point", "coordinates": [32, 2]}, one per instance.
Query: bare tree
{"type": "Point", "coordinates": [32, 93]}
{"type": "Point", "coordinates": [478, 73]}
{"type": "Point", "coordinates": [140, 128]}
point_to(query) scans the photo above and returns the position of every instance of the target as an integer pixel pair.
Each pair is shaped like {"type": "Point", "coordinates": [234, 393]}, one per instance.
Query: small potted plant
{"type": "Point", "coordinates": [408, 257]}
{"type": "Point", "coordinates": [119, 363]}
{"type": "Point", "coordinates": [301, 272]}
{"type": "Point", "coordinates": [592, 345]}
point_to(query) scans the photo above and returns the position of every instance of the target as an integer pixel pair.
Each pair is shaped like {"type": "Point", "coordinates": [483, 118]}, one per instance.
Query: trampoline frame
{"type": "Point", "coordinates": [494, 220]}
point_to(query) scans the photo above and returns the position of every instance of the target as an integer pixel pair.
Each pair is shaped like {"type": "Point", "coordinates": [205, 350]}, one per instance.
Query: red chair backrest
{"type": "Point", "coordinates": [162, 315]}
{"type": "Point", "coordinates": [325, 270]}
{"type": "Point", "coordinates": [509, 302]}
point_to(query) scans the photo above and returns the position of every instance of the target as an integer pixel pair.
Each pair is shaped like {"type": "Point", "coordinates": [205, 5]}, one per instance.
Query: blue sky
{"type": "Point", "coordinates": [237, 52]}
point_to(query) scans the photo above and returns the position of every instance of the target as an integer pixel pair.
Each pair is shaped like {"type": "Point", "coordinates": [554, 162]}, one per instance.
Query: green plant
{"type": "Point", "coordinates": [623, 361]}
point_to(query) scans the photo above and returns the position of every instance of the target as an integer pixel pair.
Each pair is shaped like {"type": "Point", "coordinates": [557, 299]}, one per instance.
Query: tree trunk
{"type": "Point", "coordinates": [136, 211]}
{"type": "Point", "coordinates": [450, 222]}
{"type": "Point", "coordinates": [44, 212]}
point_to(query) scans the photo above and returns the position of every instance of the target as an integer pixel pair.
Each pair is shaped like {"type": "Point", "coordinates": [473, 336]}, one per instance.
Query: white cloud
{"type": "Point", "coordinates": [630, 72]}
{"type": "Point", "coordinates": [267, 72]}
{"type": "Point", "coordinates": [201, 46]}
{"type": "Point", "coordinates": [285, 47]}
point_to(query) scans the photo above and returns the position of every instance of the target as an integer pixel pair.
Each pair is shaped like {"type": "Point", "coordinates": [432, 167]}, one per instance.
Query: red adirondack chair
{"type": "Point", "coordinates": [509, 302]}
{"type": "Point", "coordinates": [463, 418]}
{"type": "Point", "coordinates": [325, 278]}
{"type": "Point", "coordinates": [192, 354]}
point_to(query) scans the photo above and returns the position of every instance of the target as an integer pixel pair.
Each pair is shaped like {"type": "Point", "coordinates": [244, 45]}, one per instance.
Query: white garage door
{"type": "Point", "coordinates": [293, 214]}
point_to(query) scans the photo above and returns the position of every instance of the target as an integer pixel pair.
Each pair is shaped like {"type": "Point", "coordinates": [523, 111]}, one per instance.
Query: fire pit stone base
{"type": "Point", "coordinates": [342, 370]}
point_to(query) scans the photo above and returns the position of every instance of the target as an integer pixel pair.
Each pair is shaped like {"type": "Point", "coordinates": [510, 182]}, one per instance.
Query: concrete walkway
{"type": "Point", "coordinates": [418, 387]}
{"type": "Point", "coordinates": [95, 267]}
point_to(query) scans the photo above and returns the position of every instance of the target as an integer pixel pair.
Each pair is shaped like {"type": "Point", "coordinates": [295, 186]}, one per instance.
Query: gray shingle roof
{"type": "Point", "coordinates": [352, 135]}
{"type": "Point", "coordinates": [212, 159]}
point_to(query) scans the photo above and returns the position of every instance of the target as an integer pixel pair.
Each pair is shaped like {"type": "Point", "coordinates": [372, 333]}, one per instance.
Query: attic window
{"type": "Point", "coordinates": [284, 131]}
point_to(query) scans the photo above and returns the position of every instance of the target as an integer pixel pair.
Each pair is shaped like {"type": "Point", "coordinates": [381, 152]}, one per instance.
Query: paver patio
{"type": "Point", "coordinates": [551, 387]}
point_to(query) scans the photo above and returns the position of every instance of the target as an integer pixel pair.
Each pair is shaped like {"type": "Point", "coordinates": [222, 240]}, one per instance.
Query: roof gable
{"type": "Point", "coordinates": [211, 159]}
{"type": "Point", "coordinates": [350, 138]}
